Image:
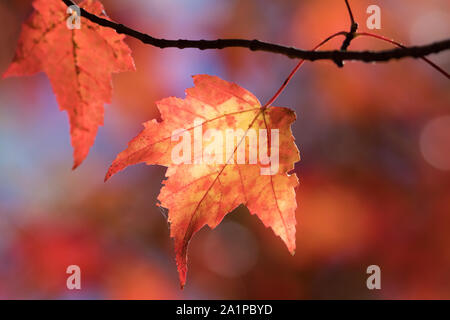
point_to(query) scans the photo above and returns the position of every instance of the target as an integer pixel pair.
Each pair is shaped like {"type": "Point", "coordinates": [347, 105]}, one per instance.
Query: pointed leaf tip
{"type": "Point", "coordinates": [82, 85]}
{"type": "Point", "coordinates": [202, 194]}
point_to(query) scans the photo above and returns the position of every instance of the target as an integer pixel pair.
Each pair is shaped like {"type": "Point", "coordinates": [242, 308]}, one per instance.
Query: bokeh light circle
{"type": "Point", "coordinates": [230, 250]}
{"type": "Point", "coordinates": [435, 143]}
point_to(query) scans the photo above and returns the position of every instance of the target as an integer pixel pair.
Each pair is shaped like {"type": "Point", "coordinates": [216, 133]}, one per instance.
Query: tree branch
{"type": "Point", "coordinates": [350, 13]}
{"type": "Point", "coordinates": [350, 35]}
{"type": "Point", "coordinates": [256, 45]}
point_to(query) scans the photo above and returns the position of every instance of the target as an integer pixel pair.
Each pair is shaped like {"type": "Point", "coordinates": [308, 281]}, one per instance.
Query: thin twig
{"type": "Point", "coordinates": [398, 44]}
{"type": "Point", "coordinates": [256, 45]}
{"type": "Point", "coordinates": [350, 35]}
{"type": "Point", "coordinates": [300, 63]}
{"type": "Point", "coordinates": [352, 19]}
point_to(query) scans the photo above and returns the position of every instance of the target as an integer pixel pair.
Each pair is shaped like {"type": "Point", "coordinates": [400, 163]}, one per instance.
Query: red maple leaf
{"type": "Point", "coordinates": [78, 62]}
{"type": "Point", "coordinates": [206, 184]}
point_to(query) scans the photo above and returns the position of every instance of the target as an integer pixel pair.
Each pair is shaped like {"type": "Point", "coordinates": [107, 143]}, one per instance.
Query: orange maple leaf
{"type": "Point", "coordinates": [213, 180]}
{"type": "Point", "coordinates": [78, 62]}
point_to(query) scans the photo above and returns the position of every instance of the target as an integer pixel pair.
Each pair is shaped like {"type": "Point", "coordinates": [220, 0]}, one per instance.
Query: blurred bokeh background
{"type": "Point", "coordinates": [374, 176]}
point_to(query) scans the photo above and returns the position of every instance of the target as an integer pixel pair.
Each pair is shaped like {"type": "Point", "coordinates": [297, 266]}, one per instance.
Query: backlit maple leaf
{"type": "Point", "coordinates": [212, 180]}
{"type": "Point", "coordinates": [79, 64]}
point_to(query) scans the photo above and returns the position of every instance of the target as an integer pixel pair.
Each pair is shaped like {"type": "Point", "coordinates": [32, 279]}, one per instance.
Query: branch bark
{"type": "Point", "coordinates": [256, 45]}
